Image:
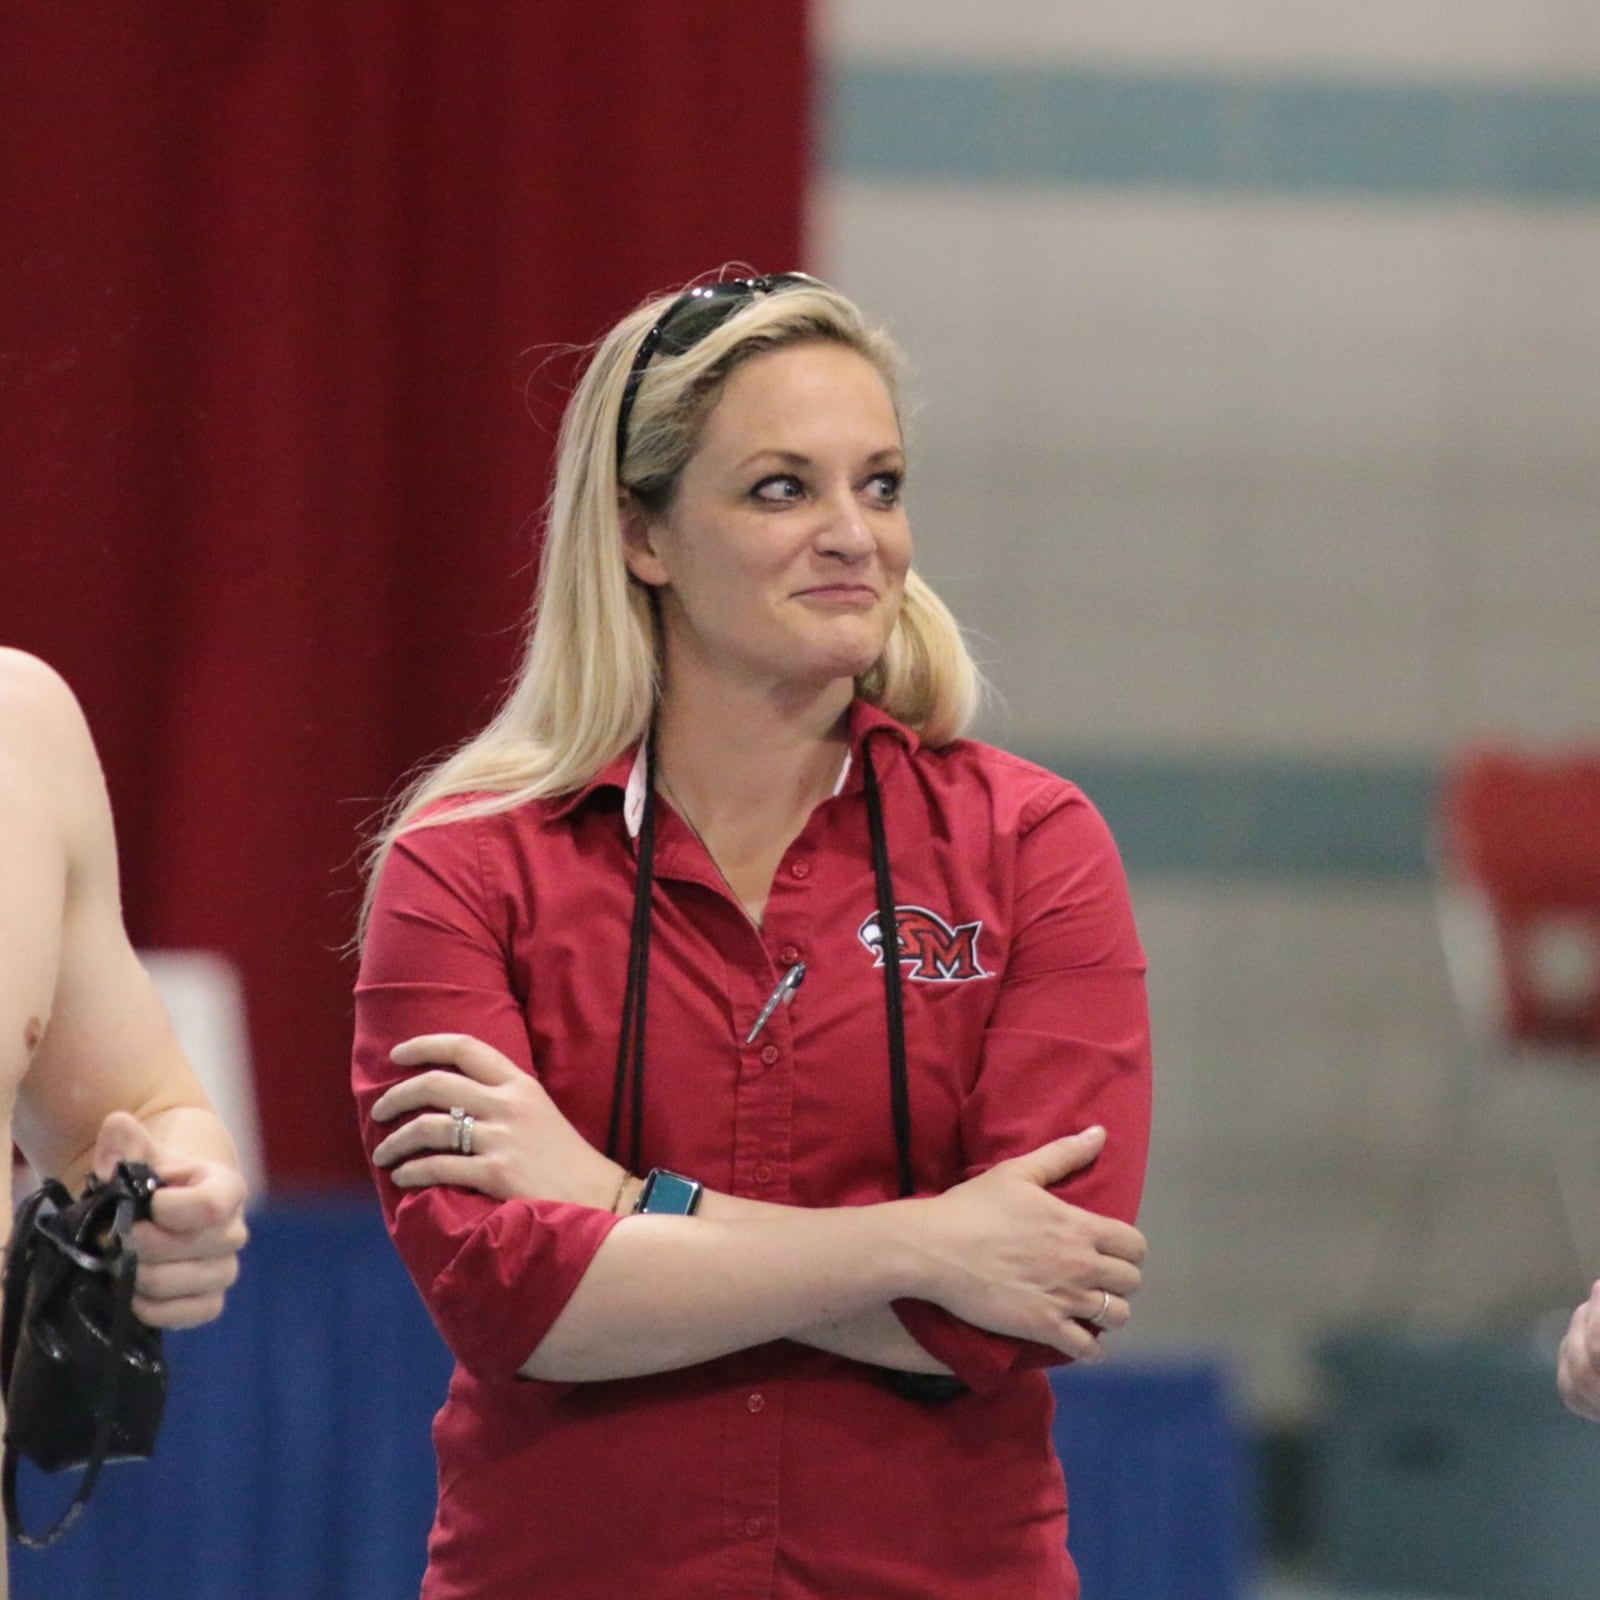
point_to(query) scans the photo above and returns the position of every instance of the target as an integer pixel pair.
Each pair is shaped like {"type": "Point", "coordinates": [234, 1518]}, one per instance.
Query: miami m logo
{"type": "Point", "coordinates": [929, 949]}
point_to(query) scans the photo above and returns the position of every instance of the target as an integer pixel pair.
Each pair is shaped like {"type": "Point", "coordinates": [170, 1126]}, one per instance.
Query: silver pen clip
{"type": "Point", "coordinates": [781, 996]}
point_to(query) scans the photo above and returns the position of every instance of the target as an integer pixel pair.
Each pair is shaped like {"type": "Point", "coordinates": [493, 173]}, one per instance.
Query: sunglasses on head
{"type": "Point", "coordinates": [694, 314]}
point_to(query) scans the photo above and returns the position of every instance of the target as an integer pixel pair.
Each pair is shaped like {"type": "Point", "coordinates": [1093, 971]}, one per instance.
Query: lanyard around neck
{"type": "Point", "coordinates": [628, 1086]}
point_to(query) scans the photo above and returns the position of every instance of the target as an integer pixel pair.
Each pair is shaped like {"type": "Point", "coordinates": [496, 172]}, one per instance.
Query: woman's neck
{"type": "Point", "coordinates": [740, 759]}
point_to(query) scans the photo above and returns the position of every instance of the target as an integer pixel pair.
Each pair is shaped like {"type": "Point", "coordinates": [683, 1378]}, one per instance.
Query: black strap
{"type": "Point", "coordinates": [19, 1256]}
{"type": "Point", "coordinates": [893, 1004]}
{"type": "Point", "coordinates": [927, 1387]}
{"type": "Point", "coordinates": [630, 1044]}
{"type": "Point", "coordinates": [122, 1267]}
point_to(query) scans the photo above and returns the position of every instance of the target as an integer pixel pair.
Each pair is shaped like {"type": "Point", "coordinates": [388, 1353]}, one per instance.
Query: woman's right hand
{"type": "Point", "coordinates": [523, 1147]}
{"type": "Point", "coordinates": [1007, 1255]}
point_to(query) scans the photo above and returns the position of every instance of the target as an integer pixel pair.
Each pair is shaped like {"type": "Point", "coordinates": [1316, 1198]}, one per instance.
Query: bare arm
{"type": "Point", "coordinates": [530, 1150]}
{"type": "Point", "coordinates": [1578, 1369]}
{"type": "Point", "coordinates": [663, 1292]}
{"type": "Point", "coordinates": [666, 1292]}
{"type": "Point", "coordinates": [108, 1081]}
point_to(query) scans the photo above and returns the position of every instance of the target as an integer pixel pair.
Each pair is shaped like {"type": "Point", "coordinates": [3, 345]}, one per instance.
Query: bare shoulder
{"type": "Point", "coordinates": [36, 703]}
{"type": "Point", "coordinates": [26, 680]}
{"type": "Point", "coordinates": [43, 735]}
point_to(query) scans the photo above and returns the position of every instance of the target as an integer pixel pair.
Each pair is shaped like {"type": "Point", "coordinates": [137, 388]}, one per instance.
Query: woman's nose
{"type": "Point", "coordinates": [845, 531]}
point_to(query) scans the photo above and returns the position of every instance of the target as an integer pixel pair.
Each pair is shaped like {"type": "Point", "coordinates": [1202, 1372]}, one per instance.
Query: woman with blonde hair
{"type": "Point", "coordinates": [756, 1071]}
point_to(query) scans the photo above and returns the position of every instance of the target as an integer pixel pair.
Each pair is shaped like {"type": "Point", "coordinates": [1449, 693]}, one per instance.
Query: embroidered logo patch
{"type": "Point", "coordinates": [930, 950]}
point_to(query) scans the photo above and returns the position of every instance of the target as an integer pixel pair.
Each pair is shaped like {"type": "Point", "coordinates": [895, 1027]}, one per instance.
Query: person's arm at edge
{"type": "Point", "coordinates": [1578, 1366]}
{"type": "Point", "coordinates": [109, 1080]}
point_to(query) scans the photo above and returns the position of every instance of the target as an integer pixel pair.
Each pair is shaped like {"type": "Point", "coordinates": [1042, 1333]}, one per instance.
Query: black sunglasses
{"type": "Point", "coordinates": [693, 315]}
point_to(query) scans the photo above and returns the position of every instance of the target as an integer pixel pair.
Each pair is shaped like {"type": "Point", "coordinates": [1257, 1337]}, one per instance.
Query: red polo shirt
{"type": "Point", "coordinates": [779, 1471]}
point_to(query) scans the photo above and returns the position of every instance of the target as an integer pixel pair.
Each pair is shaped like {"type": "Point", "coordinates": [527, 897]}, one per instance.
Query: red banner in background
{"type": "Point", "coordinates": [274, 279]}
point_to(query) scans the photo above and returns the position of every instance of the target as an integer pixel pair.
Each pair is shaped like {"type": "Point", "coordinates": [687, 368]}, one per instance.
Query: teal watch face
{"type": "Point", "coordinates": [668, 1194]}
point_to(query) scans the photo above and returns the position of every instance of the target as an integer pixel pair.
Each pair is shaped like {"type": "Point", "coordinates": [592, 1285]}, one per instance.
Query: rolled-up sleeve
{"type": "Point", "coordinates": [1068, 1046]}
{"type": "Point", "coordinates": [494, 1274]}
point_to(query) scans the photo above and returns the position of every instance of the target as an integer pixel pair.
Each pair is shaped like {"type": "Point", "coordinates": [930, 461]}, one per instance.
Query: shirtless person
{"type": "Point", "coordinates": [90, 1070]}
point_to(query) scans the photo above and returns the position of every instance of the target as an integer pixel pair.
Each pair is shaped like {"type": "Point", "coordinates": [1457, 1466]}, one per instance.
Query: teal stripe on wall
{"type": "Point", "coordinates": [1212, 817]}
{"type": "Point", "coordinates": [993, 125]}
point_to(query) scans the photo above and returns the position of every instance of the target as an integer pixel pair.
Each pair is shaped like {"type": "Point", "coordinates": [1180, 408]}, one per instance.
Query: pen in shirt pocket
{"type": "Point", "coordinates": [781, 996]}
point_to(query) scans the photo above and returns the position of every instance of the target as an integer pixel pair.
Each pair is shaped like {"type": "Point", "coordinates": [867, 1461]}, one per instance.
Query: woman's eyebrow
{"type": "Point", "coordinates": [792, 458]}
{"type": "Point", "coordinates": [797, 458]}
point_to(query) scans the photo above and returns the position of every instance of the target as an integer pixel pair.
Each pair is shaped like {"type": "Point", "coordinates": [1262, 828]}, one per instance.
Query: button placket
{"type": "Point", "coordinates": [763, 1090]}
{"type": "Point", "coordinates": [751, 1494]}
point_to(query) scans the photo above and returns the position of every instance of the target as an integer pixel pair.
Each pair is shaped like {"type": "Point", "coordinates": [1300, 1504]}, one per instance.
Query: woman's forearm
{"type": "Point", "coordinates": [875, 1335]}
{"type": "Point", "coordinates": [668, 1292]}
{"type": "Point", "coordinates": [998, 1250]}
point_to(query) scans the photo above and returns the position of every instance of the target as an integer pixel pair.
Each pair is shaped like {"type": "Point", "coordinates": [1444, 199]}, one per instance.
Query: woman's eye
{"type": "Point", "coordinates": [779, 489]}
{"type": "Point", "coordinates": [884, 488]}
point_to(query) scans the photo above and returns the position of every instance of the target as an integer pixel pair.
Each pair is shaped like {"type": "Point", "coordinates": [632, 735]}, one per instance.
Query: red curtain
{"type": "Point", "coordinates": [279, 280]}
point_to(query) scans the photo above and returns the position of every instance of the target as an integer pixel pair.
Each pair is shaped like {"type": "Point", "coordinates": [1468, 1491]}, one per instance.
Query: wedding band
{"type": "Point", "coordinates": [464, 1127]}
{"type": "Point", "coordinates": [458, 1125]}
{"type": "Point", "coordinates": [1099, 1318]}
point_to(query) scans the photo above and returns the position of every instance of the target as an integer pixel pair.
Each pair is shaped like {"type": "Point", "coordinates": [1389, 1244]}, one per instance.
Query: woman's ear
{"type": "Point", "coordinates": [641, 535]}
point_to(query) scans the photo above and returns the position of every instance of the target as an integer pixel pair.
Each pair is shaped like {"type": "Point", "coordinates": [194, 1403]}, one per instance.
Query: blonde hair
{"type": "Point", "coordinates": [589, 674]}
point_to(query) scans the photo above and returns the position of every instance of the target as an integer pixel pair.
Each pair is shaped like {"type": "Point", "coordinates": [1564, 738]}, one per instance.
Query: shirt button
{"type": "Point", "coordinates": [800, 869]}
{"type": "Point", "coordinates": [757, 1402]}
{"type": "Point", "coordinates": [753, 1526]}
{"type": "Point", "coordinates": [789, 954]}
{"type": "Point", "coordinates": [769, 1053]}
{"type": "Point", "coordinates": [763, 1175]}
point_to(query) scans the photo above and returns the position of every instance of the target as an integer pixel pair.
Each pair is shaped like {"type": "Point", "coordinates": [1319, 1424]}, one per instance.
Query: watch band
{"type": "Point", "coordinates": [668, 1194]}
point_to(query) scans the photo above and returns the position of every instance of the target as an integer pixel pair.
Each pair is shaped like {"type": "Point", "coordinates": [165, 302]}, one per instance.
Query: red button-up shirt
{"type": "Point", "coordinates": [778, 1471]}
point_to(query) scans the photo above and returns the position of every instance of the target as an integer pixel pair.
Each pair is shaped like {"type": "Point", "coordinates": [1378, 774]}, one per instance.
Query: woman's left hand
{"type": "Point", "coordinates": [522, 1145]}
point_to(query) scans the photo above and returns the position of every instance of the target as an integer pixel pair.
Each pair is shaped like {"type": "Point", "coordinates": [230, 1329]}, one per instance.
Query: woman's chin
{"type": "Point", "coordinates": [848, 655]}
{"type": "Point", "coordinates": [810, 663]}
{"type": "Point", "coordinates": [847, 666]}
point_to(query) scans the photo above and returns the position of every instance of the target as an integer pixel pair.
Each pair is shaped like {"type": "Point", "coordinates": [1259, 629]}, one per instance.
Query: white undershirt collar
{"type": "Point", "coordinates": [633, 792]}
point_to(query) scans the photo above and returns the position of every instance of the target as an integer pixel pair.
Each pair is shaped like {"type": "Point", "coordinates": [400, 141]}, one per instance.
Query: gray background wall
{"type": "Point", "coordinates": [1257, 367]}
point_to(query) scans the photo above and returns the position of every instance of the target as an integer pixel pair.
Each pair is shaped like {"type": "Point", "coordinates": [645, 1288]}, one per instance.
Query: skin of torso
{"type": "Point", "coordinates": [33, 888]}
{"type": "Point", "coordinates": [33, 892]}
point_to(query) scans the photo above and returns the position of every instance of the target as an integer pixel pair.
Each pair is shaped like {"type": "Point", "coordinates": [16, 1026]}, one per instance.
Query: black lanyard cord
{"type": "Point", "coordinates": [889, 947]}
{"type": "Point", "coordinates": [630, 1046]}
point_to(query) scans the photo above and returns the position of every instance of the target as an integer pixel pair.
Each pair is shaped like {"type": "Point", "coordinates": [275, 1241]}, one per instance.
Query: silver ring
{"type": "Point", "coordinates": [464, 1127]}
{"type": "Point", "coordinates": [458, 1123]}
{"type": "Point", "coordinates": [1099, 1318]}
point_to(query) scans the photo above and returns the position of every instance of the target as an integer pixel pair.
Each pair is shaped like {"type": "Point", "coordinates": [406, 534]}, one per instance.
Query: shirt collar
{"type": "Point", "coordinates": [613, 775]}
{"type": "Point", "coordinates": [627, 772]}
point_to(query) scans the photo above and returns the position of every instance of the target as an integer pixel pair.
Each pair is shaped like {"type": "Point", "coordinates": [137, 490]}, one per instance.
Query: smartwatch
{"type": "Point", "coordinates": [667, 1194]}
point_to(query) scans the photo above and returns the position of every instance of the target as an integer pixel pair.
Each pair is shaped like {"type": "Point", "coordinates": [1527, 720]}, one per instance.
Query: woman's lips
{"type": "Point", "coordinates": [859, 592]}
